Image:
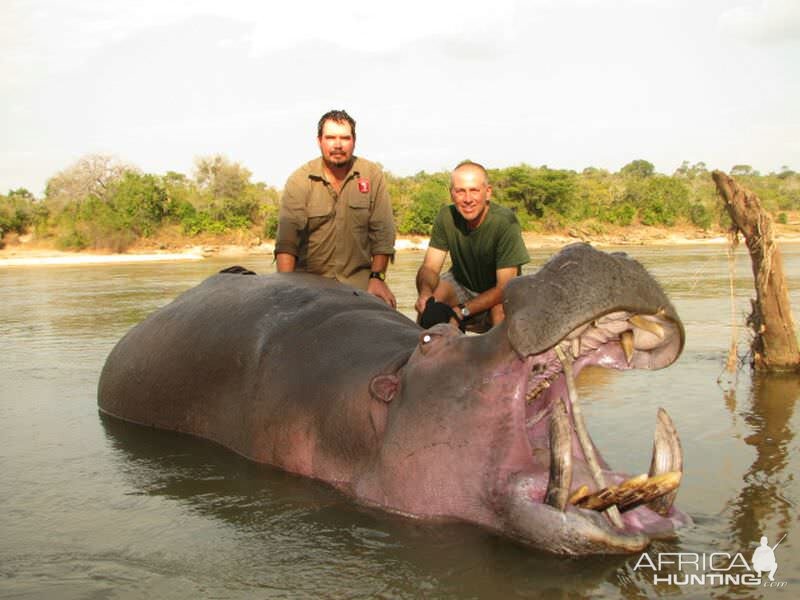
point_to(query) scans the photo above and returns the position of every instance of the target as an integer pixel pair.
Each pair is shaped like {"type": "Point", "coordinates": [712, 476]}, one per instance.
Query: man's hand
{"type": "Point", "coordinates": [422, 301]}
{"type": "Point", "coordinates": [456, 320]}
{"type": "Point", "coordinates": [378, 288]}
{"type": "Point", "coordinates": [428, 276]}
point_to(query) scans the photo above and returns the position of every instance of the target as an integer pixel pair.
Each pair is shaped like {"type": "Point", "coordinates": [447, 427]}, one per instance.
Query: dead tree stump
{"type": "Point", "coordinates": [774, 346]}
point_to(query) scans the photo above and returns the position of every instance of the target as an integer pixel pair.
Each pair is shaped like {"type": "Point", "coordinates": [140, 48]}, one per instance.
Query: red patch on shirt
{"type": "Point", "coordinates": [363, 185]}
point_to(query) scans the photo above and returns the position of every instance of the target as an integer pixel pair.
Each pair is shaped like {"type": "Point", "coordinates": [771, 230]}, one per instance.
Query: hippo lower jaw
{"type": "Point", "coordinates": [567, 500]}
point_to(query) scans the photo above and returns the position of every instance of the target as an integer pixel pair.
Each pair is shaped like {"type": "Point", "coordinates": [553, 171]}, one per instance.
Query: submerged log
{"type": "Point", "coordinates": [774, 346]}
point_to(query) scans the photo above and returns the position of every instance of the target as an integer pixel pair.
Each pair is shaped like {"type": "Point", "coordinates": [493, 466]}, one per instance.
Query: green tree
{"type": "Point", "coordinates": [666, 200]}
{"type": "Point", "coordinates": [15, 213]}
{"type": "Point", "coordinates": [221, 177]}
{"type": "Point", "coordinates": [687, 171]}
{"type": "Point", "coordinates": [140, 201]}
{"type": "Point", "coordinates": [638, 168]}
{"type": "Point", "coordinates": [743, 171]}
{"type": "Point", "coordinates": [21, 193]}
{"type": "Point", "coordinates": [426, 202]}
{"type": "Point", "coordinates": [538, 191]}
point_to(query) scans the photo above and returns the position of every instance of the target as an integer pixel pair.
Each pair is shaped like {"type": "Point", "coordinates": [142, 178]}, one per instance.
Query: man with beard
{"type": "Point", "coordinates": [335, 216]}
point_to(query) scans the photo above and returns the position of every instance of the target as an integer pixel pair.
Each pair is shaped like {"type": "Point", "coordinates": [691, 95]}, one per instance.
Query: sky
{"type": "Point", "coordinates": [565, 83]}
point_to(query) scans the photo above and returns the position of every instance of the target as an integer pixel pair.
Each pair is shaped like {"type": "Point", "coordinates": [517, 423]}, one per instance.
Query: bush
{"type": "Point", "coordinates": [425, 205]}
{"type": "Point", "coordinates": [270, 212]}
{"type": "Point", "coordinates": [15, 214]}
{"type": "Point", "coordinates": [140, 202]}
{"type": "Point", "coordinates": [204, 222]}
{"type": "Point", "coordinates": [619, 213]}
{"type": "Point", "coordinates": [658, 212]}
{"type": "Point", "coordinates": [72, 240]}
{"type": "Point", "coordinates": [700, 216]}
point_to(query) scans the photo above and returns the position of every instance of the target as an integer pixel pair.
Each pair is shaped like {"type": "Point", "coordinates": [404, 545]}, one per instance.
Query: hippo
{"type": "Point", "coordinates": [325, 381]}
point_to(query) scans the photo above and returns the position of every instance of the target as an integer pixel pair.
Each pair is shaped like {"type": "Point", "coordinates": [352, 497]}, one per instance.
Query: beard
{"type": "Point", "coordinates": [338, 161]}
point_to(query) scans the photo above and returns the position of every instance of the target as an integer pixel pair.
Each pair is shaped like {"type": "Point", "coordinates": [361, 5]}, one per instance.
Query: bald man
{"type": "Point", "coordinates": [486, 248]}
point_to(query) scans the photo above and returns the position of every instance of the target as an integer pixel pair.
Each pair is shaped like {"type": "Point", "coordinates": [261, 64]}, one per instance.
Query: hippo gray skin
{"type": "Point", "coordinates": [319, 379]}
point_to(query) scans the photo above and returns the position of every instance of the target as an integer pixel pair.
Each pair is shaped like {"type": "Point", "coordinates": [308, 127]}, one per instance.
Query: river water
{"type": "Point", "coordinates": [94, 508]}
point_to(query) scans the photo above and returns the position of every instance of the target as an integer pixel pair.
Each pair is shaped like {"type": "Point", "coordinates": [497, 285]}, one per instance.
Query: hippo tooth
{"type": "Point", "coordinates": [652, 490]}
{"type": "Point", "coordinates": [583, 435]}
{"type": "Point", "coordinates": [579, 494]}
{"type": "Point", "coordinates": [633, 492]}
{"type": "Point", "coordinates": [626, 341]}
{"type": "Point", "coordinates": [611, 495]}
{"type": "Point", "coordinates": [667, 457]}
{"type": "Point", "coordinates": [560, 457]}
{"type": "Point", "coordinates": [576, 347]}
{"type": "Point", "coordinates": [648, 325]}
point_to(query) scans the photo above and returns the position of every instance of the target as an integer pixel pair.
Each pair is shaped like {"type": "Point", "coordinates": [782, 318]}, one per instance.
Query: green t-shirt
{"type": "Point", "coordinates": [477, 254]}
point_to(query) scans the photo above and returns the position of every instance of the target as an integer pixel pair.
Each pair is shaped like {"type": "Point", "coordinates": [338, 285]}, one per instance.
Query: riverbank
{"type": "Point", "coordinates": [28, 252]}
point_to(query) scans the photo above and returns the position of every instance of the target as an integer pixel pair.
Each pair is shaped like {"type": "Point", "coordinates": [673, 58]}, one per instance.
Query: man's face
{"type": "Point", "coordinates": [336, 143]}
{"type": "Point", "coordinates": [470, 193]}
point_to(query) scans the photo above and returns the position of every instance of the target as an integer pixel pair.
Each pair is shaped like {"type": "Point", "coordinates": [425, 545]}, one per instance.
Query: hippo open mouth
{"type": "Point", "coordinates": [567, 499]}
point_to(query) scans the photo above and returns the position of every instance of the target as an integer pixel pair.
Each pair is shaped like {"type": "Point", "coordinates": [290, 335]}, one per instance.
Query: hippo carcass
{"type": "Point", "coordinates": [318, 379]}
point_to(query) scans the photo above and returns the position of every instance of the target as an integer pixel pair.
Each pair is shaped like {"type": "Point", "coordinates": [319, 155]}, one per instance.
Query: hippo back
{"type": "Point", "coordinates": [228, 360]}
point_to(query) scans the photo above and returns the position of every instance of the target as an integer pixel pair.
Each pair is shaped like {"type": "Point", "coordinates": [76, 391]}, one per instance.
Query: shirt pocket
{"type": "Point", "coordinates": [319, 213]}
{"type": "Point", "coordinates": [358, 211]}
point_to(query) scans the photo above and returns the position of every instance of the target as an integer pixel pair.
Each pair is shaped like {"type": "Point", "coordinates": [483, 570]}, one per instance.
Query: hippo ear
{"type": "Point", "coordinates": [384, 387]}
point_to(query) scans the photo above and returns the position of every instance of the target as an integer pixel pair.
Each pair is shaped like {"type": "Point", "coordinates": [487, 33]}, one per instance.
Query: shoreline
{"type": "Point", "coordinates": [24, 255]}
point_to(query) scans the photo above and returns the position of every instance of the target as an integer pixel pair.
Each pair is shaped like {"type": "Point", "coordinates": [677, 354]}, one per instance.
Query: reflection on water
{"type": "Point", "coordinates": [98, 508]}
{"type": "Point", "coordinates": [765, 502]}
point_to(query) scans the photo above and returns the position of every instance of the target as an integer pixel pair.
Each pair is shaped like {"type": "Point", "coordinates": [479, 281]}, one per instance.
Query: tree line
{"type": "Point", "coordinates": [103, 203]}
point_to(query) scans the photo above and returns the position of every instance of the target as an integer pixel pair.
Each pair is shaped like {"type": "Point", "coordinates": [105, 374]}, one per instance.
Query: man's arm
{"type": "Point", "coordinates": [381, 230]}
{"type": "Point", "coordinates": [381, 236]}
{"type": "Point", "coordinates": [428, 275]}
{"type": "Point", "coordinates": [492, 299]}
{"type": "Point", "coordinates": [291, 220]}
{"type": "Point", "coordinates": [377, 287]}
{"type": "Point", "coordinates": [285, 262]}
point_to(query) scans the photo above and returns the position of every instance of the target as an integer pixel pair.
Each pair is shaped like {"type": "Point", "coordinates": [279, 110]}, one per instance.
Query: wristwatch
{"type": "Point", "coordinates": [464, 311]}
{"type": "Point", "coordinates": [378, 275]}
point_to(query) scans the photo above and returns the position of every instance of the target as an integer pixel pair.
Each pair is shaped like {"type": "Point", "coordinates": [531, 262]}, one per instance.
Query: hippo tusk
{"type": "Point", "coordinates": [646, 324]}
{"type": "Point", "coordinates": [633, 492]}
{"type": "Point", "coordinates": [626, 341]}
{"type": "Point", "coordinates": [583, 435]}
{"type": "Point", "coordinates": [667, 457]}
{"type": "Point", "coordinates": [560, 457]}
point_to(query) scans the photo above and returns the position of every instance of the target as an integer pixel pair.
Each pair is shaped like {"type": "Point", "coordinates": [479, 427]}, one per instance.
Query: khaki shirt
{"type": "Point", "coordinates": [336, 234]}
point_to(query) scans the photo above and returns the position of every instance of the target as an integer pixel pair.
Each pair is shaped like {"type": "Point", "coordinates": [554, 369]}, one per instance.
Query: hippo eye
{"type": "Point", "coordinates": [425, 341]}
